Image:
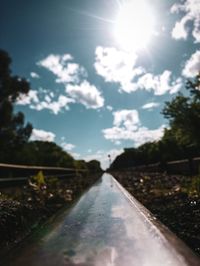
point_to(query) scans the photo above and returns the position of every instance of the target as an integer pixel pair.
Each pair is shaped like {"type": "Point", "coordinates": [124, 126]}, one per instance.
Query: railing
{"type": "Point", "coordinates": [11, 174]}
{"type": "Point", "coordinates": [186, 166]}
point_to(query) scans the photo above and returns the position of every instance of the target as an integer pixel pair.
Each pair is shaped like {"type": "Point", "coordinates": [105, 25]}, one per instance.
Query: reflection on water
{"type": "Point", "coordinates": [103, 229]}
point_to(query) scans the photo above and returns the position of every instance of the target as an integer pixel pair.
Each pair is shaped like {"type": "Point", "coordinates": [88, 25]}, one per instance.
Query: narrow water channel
{"type": "Point", "coordinates": [105, 227]}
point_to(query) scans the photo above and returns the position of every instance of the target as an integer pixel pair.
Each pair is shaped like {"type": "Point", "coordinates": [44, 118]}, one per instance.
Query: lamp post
{"type": "Point", "coordinates": [109, 158]}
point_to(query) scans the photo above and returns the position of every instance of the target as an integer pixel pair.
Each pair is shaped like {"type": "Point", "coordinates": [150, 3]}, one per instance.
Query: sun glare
{"type": "Point", "coordinates": [134, 25]}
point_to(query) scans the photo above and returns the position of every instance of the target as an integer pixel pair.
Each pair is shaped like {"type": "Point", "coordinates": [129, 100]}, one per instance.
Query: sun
{"type": "Point", "coordinates": [134, 25]}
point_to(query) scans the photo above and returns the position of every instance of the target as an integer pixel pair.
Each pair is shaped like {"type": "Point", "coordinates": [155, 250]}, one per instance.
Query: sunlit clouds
{"type": "Point", "coordinates": [86, 94]}
{"type": "Point", "coordinates": [120, 67]}
{"type": "Point", "coordinates": [192, 65]}
{"type": "Point", "coordinates": [67, 146]}
{"type": "Point", "coordinates": [127, 126]}
{"type": "Point", "coordinates": [63, 68]}
{"type": "Point", "coordinates": [42, 135]}
{"type": "Point", "coordinates": [190, 13]}
{"type": "Point", "coordinates": [160, 84]}
{"type": "Point", "coordinates": [41, 100]}
{"type": "Point", "coordinates": [28, 99]}
{"type": "Point", "coordinates": [76, 89]}
{"type": "Point", "coordinates": [127, 118]}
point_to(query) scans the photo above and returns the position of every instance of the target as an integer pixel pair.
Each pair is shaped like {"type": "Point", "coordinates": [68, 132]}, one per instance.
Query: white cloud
{"type": "Point", "coordinates": [25, 99]}
{"type": "Point", "coordinates": [75, 155]}
{"type": "Point", "coordinates": [127, 118]}
{"type": "Point", "coordinates": [51, 94]}
{"type": "Point", "coordinates": [150, 105]}
{"type": "Point", "coordinates": [102, 156]}
{"type": "Point", "coordinates": [179, 31]}
{"type": "Point", "coordinates": [67, 146]}
{"type": "Point", "coordinates": [144, 135]}
{"type": "Point", "coordinates": [118, 67]}
{"type": "Point", "coordinates": [47, 98]}
{"type": "Point", "coordinates": [117, 142]}
{"type": "Point", "coordinates": [192, 66]}
{"type": "Point", "coordinates": [54, 106]}
{"type": "Point", "coordinates": [127, 126]}
{"type": "Point", "coordinates": [160, 84]}
{"type": "Point", "coordinates": [70, 74]}
{"type": "Point", "coordinates": [42, 135]}
{"type": "Point", "coordinates": [191, 13]}
{"type": "Point", "coordinates": [40, 101]}
{"type": "Point", "coordinates": [86, 94]}
{"type": "Point", "coordinates": [34, 75]}
{"type": "Point", "coordinates": [62, 68]}
{"type": "Point", "coordinates": [73, 77]}
{"type": "Point", "coordinates": [139, 137]}
{"type": "Point", "coordinates": [109, 108]}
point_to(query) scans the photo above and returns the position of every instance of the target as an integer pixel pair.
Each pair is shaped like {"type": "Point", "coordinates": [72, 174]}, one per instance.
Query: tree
{"type": "Point", "coordinates": [81, 165]}
{"type": "Point", "coordinates": [126, 159]}
{"type": "Point", "coordinates": [180, 141]}
{"type": "Point", "coordinates": [13, 132]}
{"type": "Point", "coordinates": [94, 166]}
{"type": "Point", "coordinates": [45, 153]}
{"type": "Point", "coordinates": [184, 115]}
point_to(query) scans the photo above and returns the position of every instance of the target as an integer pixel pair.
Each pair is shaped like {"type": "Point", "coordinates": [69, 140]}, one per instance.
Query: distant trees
{"type": "Point", "coordinates": [46, 154]}
{"type": "Point", "coordinates": [15, 146]}
{"type": "Point", "coordinates": [180, 141]}
{"type": "Point", "coordinates": [13, 131]}
{"type": "Point", "coordinates": [94, 166]}
{"type": "Point", "coordinates": [184, 114]}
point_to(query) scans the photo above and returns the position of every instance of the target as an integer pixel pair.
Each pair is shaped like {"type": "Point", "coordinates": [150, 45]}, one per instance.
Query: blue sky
{"type": "Point", "coordinates": [100, 71]}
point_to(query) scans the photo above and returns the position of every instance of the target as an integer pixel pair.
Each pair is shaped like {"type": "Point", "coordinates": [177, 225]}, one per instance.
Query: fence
{"type": "Point", "coordinates": [186, 167]}
{"type": "Point", "coordinates": [11, 174]}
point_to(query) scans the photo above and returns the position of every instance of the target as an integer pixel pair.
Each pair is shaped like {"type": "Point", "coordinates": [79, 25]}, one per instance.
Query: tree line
{"type": "Point", "coordinates": [180, 141]}
{"type": "Point", "coordinates": [15, 144]}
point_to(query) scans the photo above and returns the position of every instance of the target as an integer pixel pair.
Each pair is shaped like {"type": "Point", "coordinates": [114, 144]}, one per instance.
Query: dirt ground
{"type": "Point", "coordinates": [173, 199]}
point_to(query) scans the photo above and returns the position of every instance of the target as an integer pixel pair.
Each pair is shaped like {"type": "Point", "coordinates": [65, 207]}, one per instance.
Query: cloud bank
{"type": "Point", "coordinates": [42, 135]}
{"type": "Point", "coordinates": [86, 94]}
{"type": "Point", "coordinates": [190, 11]}
{"type": "Point", "coordinates": [192, 65]}
{"type": "Point", "coordinates": [62, 67]}
{"type": "Point", "coordinates": [73, 77]}
{"type": "Point", "coordinates": [127, 126]}
{"type": "Point", "coordinates": [119, 67]}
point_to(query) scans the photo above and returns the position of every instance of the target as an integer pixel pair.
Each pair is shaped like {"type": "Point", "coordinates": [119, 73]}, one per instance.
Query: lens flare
{"type": "Point", "coordinates": [134, 25]}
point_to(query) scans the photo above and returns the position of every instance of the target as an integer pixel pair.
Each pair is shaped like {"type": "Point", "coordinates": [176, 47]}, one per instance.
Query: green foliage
{"type": "Point", "coordinates": [39, 179]}
{"type": "Point", "coordinates": [184, 115]}
{"type": "Point", "coordinates": [195, 186]}
{"type": "Point", "coordinates": [46, 154]}
{"type": "Point", "coordinates": [13, 133]}
{"type": "Point", "coordinates": [81, 165]}
{"type": "Point", "coordinates": [192, 186]}
{"type": "Point", "coordinates": [180, 141]}
{"type": "Point", "coordinates": [94, 166]}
